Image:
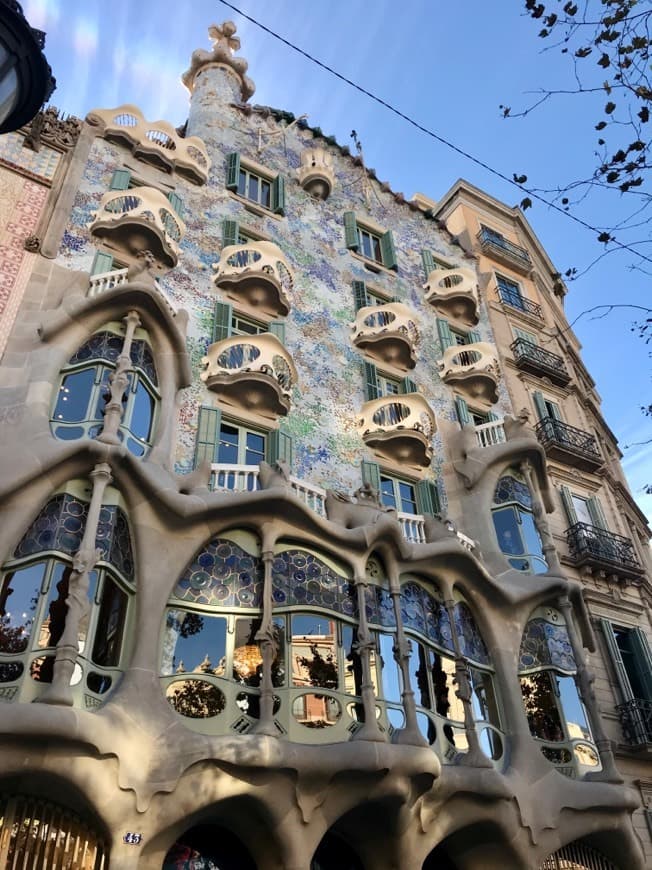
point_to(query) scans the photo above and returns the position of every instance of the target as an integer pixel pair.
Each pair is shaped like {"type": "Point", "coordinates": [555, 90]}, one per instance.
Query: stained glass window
{"type": "Point", "coordinates": [222, 574]}
{"type": "Point", "coordinates": [546, 645]}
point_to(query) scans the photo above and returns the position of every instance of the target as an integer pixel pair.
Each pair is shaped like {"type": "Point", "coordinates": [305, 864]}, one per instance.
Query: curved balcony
{"type": "Point", "coordinates": [157, 143]}
{"type": "Point", "coordinates": [387, 334]}
{"type": "Point", "coordinates": [473, 370]}
{"type": "Point", "coordinates": [316, 174]}
{"type": "Point", "coordinates": [136, 220]}
{"type": "Point", "coordinates": [454, 293]}
{"type": "Point", "coordinates": [257, 275]}
{"type": "Point", "coordinates": [399, 429]}
{"type": "Point", "coordinates": [254, 374]}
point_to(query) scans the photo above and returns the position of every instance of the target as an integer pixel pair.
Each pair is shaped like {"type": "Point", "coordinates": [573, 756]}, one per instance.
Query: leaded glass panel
{"type": "Point", "coordinates": [471, 643]}
{"type": "Point", "coordinates": [59, 526]}
{"type": "Point", "coordinates": [301, 578]}
{"type": "Point", "coordinates": [546, 645]}
{"type": "Point", "coordinates": [510, 489]}
{"type": "Point", "coordinates": [222, 574]}
{"type": "Point", "coordinates": [423, 613]}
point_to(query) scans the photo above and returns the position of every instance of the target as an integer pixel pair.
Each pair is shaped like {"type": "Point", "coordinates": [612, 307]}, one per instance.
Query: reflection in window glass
{"type": "Point", "coordinates": [19, 597]}
{"type": "Point", "coordinates": [539, 699]}
{"type": "Point", "coordinates": [142, 413]}
{"type": "Point", "coordinates": [193, 643]}
{"type": "Point", "coordinates": [247, 658]}
{"type": "Point", "coordinates": [390, 671]}
{"type": "Point", "coordinates": [74, 395]}
{"type": "Point", "coordinates": [485, 707]}
{"type": "Point", "coordinates": [54, 616]}
{"type": "Point", "coordinates": [515, 529]}
{"type": "Point", "coordinates": [110, 624]}
{"type": "Point", "coordinates": [573, 708]}
{"type": "Point", "coordinates": [314, 657]}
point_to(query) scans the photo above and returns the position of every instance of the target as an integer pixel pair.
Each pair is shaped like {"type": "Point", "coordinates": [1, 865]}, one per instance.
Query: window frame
{"type": "Point", "coordinates": [397, 496]}
{"type": "Point", "coordinates": [243, 432]}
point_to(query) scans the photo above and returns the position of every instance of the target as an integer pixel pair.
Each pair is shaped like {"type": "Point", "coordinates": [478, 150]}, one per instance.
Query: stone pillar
{"type": "Point", "coordinates": [119, 382]}
{"type": "Point", "coordinates": [540, 520]}
{"type": "Point", "coordinates": [364, 645]}
{"type": "Point", "coordinates": [58, 692]}
{"type": "Point", "coordinates": [266, 640]}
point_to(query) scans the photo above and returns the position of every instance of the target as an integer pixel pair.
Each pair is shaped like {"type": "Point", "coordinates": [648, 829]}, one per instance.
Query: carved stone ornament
{"type": "Point", "coordinates": [224, 44]}
{"type": "Point", "coordinates": [32, 243]}
{"type": "Point", "coordinates": [51, 128]}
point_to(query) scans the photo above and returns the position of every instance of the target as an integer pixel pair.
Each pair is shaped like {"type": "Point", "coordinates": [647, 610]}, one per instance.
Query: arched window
{"type": "Point", "coordinates": [84, 390]}
{"type": "Point", "coordinates": [34, 586]}
{"type": "Point", "coordinates": [517, 535]}
{"type": "Point", "coordinates": [577, 856]}
{"type": "Point", "coordinates": [554, 711]}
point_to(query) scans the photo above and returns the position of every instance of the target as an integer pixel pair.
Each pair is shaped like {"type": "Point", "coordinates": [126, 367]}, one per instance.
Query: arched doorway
{"type": "Point", "coordinates": [208, 847]}
{"type": "Point", "coordinates": [333, 853]}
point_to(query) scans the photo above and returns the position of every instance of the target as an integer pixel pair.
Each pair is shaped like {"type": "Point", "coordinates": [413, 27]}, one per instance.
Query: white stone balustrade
{"type": "Point", "coordinates": [490, 433]}
{"type": "Point", "coordinates": [399, 428]}
{"type": "Point", "coordinates": [387, 333]}
{"type": "Point", "coordinates": [473, 369]}
{"type": "Point", "coordinates": [104, 281]}
{"type": "Point", "coordinates": [316, 174]}
{"type": "Point", "coordinates": [257, 274]}
{"type": "Point", "coordinates": [244, 478]}
{"type": "Point", "coordinates": [454, 293]}
{"type": "Point", "coordinates": [413, 527]}
{"type": "Point", "coordinates": [155, 142]}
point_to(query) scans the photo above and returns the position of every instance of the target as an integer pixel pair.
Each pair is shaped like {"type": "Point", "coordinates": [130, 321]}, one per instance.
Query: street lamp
{"type": "Point", "coordinates": [26, 80]}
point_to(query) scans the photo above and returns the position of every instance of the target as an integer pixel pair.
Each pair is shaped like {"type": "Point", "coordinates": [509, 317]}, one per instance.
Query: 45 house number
{"type": "Point", "coordinates": [132, 839]}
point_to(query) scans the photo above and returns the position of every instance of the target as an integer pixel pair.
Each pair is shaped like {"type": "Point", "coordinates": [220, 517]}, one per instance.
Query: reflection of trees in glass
{"type": "Point", "coordinates": [13, 638]}
{"type": "Point", "coordinates": [539, 700]}
{"type": "Point", "coordinates": [196, 699]}
{"type": "Point", "coordinates": [322, 670]}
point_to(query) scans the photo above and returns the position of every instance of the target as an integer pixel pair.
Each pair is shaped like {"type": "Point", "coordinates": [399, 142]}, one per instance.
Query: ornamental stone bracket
{"type": "Point", "coordinates": [454, 293]}
{"type": "Point", "coordinates": [387, 334]}
{"type": "Point", "coordinates": [256, 275]}
{"type": "Point", "coordinates": [399, 429]}
{"type": "Point", "coordinates": [225, 43]}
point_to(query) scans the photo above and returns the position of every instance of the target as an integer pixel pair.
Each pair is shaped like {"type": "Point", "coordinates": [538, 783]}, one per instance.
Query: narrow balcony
{"type": "Point", "coordinates": [256, 275]}
{"type": "Point", "coordinates": [399, 429]}
{"type": "Point", "coordinates": [105, 281]}
{"type": "Point", "coordinates": [538, 361]}
{"type": "Point", "coordinates": [255, 375]}
{"type": "Point", "coordinates": [636, 720]}
{"type": "Point", "coordinates": [316, 174]}
{"type": "Point", "coordinates": [491, 433]}
{"type": "Point", "coordinates": [520, 303]}
{"type": "Point", "coordinates": [603, 550]}
{"type": "Point", "coordinates": [136, 220]}
{"type": "Point", "coordinates": [496, 246]}
{"type": "Point", "coordinates": [453, 293]}
{"type": "Point", "coordinates": [473, 370]}
{"type": "Point", "coordinates": [157, 143]}
{"type": "Point", "coordinates": [568, 444]}
{"type": "Point", "coordinates": [387, 334]}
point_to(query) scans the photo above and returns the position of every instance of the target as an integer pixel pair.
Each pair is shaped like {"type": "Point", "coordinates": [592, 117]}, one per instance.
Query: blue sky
{"type": "Point", "coordinates": [448, 66]}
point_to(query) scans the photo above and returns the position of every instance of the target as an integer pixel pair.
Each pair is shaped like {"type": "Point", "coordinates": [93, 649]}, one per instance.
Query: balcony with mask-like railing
{"type": "Point", "coordinates": [536, 360]}
{"type": "Point", "coordinates": [399, 429]}
{"type": "Point", "coordinates": [316, 175]}
{"type": "Point", "coordinates": [257, 276]}
{"type": "Point", "coordinates": [254, 374]}
{"type": "Point", "coordinates": [568, 444]}
{"type": "Point", "coordinates": [602, 550]}
{"type": "Point", "coordinates": [130, 222]}
{"type": "Point", "coordinates": [636, 722]}
{"type": "Point", "coordinates": [496, 246]}
{"type": "Point", "coordinates": [453, 293]}
{"type": "Point", "coordinates": [473, 370]}
{"type": "Point", "coordinates": [387, 334]}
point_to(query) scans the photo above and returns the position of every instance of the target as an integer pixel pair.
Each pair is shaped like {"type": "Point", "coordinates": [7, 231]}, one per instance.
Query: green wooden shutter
{"type": "Point", "coordinates": [473, 337]}
{"type": "Point", "coordinates": [428, 499]}
{"type": "Point", "coordinates": [230, 232]}
{"type": "Point", "coordinates": [208, 434]}
{"type": "Point", "coordinates": [617, 660]}
{"type": "Point", "coordinates": [280, 445]}
{"type": "Point", "coordinates": [462, 411]}
{"type": "Point", "coordinates": [643, 660]}
{"type": "Point", "coordinates": [277, 328]}
{"type": "Point", "coordinates": [525, 335]}
{"type": "Point", "coordinates": [492, 418]}
{"type": "Point", "coordinates": [351, 231]}
{"type": "Point", "coordinates": [597, 514]}
{"type": "Point", "coordinates": [360, 294]}
{"type": "Point", "coordinates": [372, 388]}
{"type": "Point", "coordinates": [232, 171]}
{"type": "Point", "coordinates": [569, 507]}
{"type": "Point", "coordinates": [388, 251]}
{"type": "Point", "coordinates": [407, 385]}
{"type": "Point", "coordinates": [555, 410]}
{"type": "Point", "coordinates": [120, 180]}
{"type": "Point", "coordinates": [428, 261]}
{"type": "Point", "coordinates": [102, 263]}
{"type": "Point", "coordinates": [222, 321]}
{"type": "Point", "coordinates": [278, 195]}
{"type": "Point", "coordinates": [176, 202]}
{"type": "Point", "coordinates": [445, 335]}
{"type": "Point", "coordinates": [540, 404]}
{"type": "Point", "coordinates": [397, 299]}
{"type": "Point", "coordinates": [371, 474]}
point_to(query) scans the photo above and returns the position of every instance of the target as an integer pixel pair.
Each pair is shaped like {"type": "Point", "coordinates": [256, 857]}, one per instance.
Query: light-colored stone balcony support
{"type": "Point", "coordinates": [473, 370]}
{"type": "Point", "coordinates": [105, 281]}
{"type": "Point", "coordinates": [155, 142]}
{"type": "Point", "coordinates": [316, 174]}
{"type": "Point", "coordinates": [253, 373]}
{"type": "Point", "coordinates": [454, 293]}
{"type": "Point", "coordinates": [257, 275]}
{"type": "Point", "coordinates": [137, 220]}
{"type": "Point", "coordinates": [399, 429]}
{"type": "Point", "coordinates": [387, 334]}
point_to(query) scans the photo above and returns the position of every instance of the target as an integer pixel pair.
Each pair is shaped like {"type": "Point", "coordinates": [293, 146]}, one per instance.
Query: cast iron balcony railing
{"type": "Point", "coordinates": [493, 244]}
{"type": "Point", "coordinates": [515, 300]}
{"type": "Point", "coordinates": [636, 720]}
{"type": "Point", "coordinates": [591, 545]}
{"type": "Point", "coordinates": [565, 442]}
{"type": "Point", "coordinates": [532, 358]}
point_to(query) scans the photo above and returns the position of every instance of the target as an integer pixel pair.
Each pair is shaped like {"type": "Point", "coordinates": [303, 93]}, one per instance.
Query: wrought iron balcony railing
{"type": "Point", "coordinates": [493, 243]}
{"type": "Point", "coordinates": [515, 300]}
{"type": "Point", "coordinates": [592, 545]}
{"type": "Point", "coordinates": [636, 720]}
{"type": "Point", "coordinates": [560, 440]}
{"type": "Point", "coordinates": [531, 357]}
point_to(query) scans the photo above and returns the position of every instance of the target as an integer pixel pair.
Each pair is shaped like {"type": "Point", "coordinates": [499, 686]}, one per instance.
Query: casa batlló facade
{"type": "Point", "coordinates": [316, 549]}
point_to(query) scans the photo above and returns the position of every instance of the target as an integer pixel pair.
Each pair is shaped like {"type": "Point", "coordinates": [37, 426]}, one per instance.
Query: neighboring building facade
{"type": "Point", "coordinates": [285, 577]}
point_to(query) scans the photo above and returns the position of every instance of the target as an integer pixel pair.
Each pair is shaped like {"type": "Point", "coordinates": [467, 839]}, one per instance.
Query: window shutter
{"type": "Point", "coordinates": [445, 334]}
{"type": "Point", "coordinates": [554, 409]}
{"type": "Point", "coordinates": [407, 385]}
{"type": "Point", "coordinates": [643, 660]}
{"type": "Point", "coordinates": [102, 263]}
{"type": "Point", "coordinates": [208, 434]}
{"type": "Point", "coordinates": [277, 328]}
{"type": "Point", "coordinates": [526, 336]}
{"type": "Point", "coordinates": [388, 251]}
{"type": "Point", "coordinates": [397, 299]}
{"type": "Point", "coordinates": [232, 170]}
{"type": "Point", "coordinates": [222, 321]}
{"type": "Point", "coordinates": [473, 337]}
{"type": "Point", "coordinates": [569, 507]}
{"type": "Point", "coordinates": [230, 232]}
{"type": "Point", "coordinates": [597, 514]}
{"type": "Point", "coordinates": [360, 294]}
{"type": "Point", "coordinates": [280, 446]}
{"type": "Point", "coordinates": [492, 418]}
{"type": "Point", "coordinates": [278, 195]}
{"type": "Point", "coordinates": [120, 180]}
{"type": "Point", "coordinates": [372, 389]}
{"type": "Point", "coordinates": [428, 499]}
{"type": "Point", "coordinates": [428, 261]}
{"type": "Point", "coordinates": [351, 231]}
{"type": "Point", "coordinates": [176, 202]}
{"type": "Point", "coordinates": [617, 660]}
{"type": "Point", "coordinates": [540, 405]}
{"type": "Point", "coordinates": [462, 411]}
{"type": "Point", "coordinates": [371, 474]}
